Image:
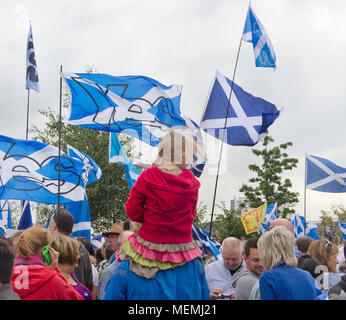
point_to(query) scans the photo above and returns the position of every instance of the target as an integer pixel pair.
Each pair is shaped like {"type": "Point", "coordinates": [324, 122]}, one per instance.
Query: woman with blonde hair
{"type": "Point", "coordinates": [162, 252]}
{"type": "Point", "coordinates": [282, 280]}
{"type": "Point", "coordinates": [32, 278]}
{"type": "Point", "coordinates": [326, 253]}
{"type": "Point", "coordinates": [68, 249]}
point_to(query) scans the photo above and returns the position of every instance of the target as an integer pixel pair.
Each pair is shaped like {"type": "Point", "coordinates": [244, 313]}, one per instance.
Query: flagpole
{"type": "Point", "coordinates": [59, 126]}
{"type": "Point", "coordinates": [223, 136]}
{"type": "Point", "coordinates": [109, 146]}
{"type": "Point", "coordinates": [27, 116]}
{"type": "Point", "coordinates": [305, 198]}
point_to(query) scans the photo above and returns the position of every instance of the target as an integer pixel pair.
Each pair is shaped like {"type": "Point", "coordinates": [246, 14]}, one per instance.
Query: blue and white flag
{"type": "Point", "coordinates": [324, 176]}
{"type": "Point", "coordinates": [29, 170]}
{"type": "Point", "coordinates": [92, 172]}
{"type": "Point", "coordinates": [262, 47]}
{"type": "Point", "coordinates": [81, 218]}
{"type": "Point", "coordinates": [199, 157]}
{"type": "Point", "coordinates": [248, 117]}
{"type": "Point", "coordinates": [97, 241]}
{"type": "Point", "coordinates": [25, 221]}
{"type": "Point", "coordinates": [31, 66]}
{"type": "Point", "coordinates": [117, 155]}
{"type": "Point", "coordinates": [342, 226]}
{"type": "Point", "coordinates": [271, 215]}
{"type": "Point", "coordinates": [136, 105]}
{"type": "Point", "coordinates": [5, 214]}
{"type": "Point", "coordinates": [204, 242]}
{"type": "Point", "coordinates": [299, 224]}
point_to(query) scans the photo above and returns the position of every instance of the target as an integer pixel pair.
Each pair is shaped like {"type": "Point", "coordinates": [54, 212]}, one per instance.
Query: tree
{"type": "Point", "coordinates": [338, 212]}
{"type": "Point", "coordinates": [269, 187]}
{"type": "Point", "coordinates": [94, 143]}
{"type": "Point", "coordinates": [228, 224]}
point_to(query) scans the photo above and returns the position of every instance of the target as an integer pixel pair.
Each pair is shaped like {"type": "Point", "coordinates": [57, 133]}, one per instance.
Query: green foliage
{"type": "Point", "coordinates": [268, 184]}
{"type": "Point", "coordinates": [228, 224]}
{"type": "Point", "coordinates": [337, 212]}
{"type": "Point", "coordinates": [112, 185]}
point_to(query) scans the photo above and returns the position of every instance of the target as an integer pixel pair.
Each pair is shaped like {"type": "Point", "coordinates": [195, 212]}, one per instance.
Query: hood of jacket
{"type": "Point", "coordinates": [29, 278]}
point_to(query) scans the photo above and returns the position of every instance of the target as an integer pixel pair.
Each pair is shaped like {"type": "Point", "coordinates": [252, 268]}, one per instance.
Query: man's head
{"type": "Point", "coordinates": [252, 258]}
{"type": "Point", "coordinates": [113, 235]}
{"type": "Point", "coordinates": [232, 251]}
{"type": "Point", "coordinates": [7, 261]}
{"type": "Point", "coordinates": [282, 222]}
{"type": "Point", "coordinates": [124, 235]}
{"type": "Point", "coordinates": [61, 223]}
{"type": "Point", "coordinates": [303, 244]}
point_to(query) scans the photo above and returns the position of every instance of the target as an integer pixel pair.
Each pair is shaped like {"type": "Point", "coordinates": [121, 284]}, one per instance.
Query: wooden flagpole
{"type": "Point", "coordinates": [305, 179]}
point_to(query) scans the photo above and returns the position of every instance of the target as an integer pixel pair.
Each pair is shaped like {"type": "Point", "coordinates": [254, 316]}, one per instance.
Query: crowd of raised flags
{"type": "Point", "coordinates": [144, 108]}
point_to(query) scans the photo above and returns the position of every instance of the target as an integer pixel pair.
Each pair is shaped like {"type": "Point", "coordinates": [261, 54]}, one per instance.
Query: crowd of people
{"type": "Point", "coordinates": [154, 257]}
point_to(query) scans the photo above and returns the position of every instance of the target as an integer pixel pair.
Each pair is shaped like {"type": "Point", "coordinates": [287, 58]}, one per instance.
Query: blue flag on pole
{"type": "Point", "coordinates": [81, 218]}
{"type": "Point", "coordinates": [31, 66]}
{"type": "Point", "coordinates": [29, 170]}
{"type": "Point", "coordinates": [324, 176]}
{"type": "Point", "coordinates": [25, 221]}
{"type": "Point", "coordinates": [299, 224]}
{"type": "Point", "coordinates": [5, 214]}
{"type": "Point", "coordinates": [136, 105]}
{"type": "Point", "coordinates": [117, 155]}
{"type": "Point", "coordinates": [248, 117]}
{"type": "Point", "coordinates": [342, 226]}
{"type": "Point", "coordinates": [92, 172]}
{"type": "Point", "coordinates": [204, 242]}
{"type": "Point", "coordinates": [255, 33]}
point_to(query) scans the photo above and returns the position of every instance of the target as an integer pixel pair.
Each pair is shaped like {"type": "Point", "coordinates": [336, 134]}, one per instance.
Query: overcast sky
{"type": "Point", "coordinates": [185, 42]}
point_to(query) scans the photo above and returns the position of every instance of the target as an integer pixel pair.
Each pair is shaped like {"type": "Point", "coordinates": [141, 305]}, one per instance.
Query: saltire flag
{"type": "Point", "coordinates": [342, 226]}
{"type": "Point", "coordinates": [248, 117]}
{"type": "Point", "coordinates": [25, 221]}
{"type": "Point", "coordinates": [31, 66]}
{"type": "Point", "coordinates": [29, 170]}
{"type": "Point", "coordinates": [81, 218]}
{"type": "Point", "coordinates": [92, 172]}
{"type": "Point", "coordinates": [5, 213]}
{"type": "Point", "coordinates": [270, 215]}
{"type": "Point", "coordinates": [199, 157]}
{"type": "Point", "coordinates": [97, 241]}
{"type": "Point", "coordinates": [255, 33]}
{"type": "Point", "coordinates": [299, 224]}
{"type": "Point", "coordinates": [117, 155]}
{"type": "Point", "coordinates": [204, 242]}
{"type": "Point", "coordinates": [136, 105]}
{"type": "Point", "coordinates": [252, 218]}
{"type": "Point", "coordinates": [324, 176]}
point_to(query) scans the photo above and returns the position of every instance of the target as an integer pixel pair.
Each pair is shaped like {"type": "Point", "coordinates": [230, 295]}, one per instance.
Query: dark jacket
{"type": "Point", "coordinates": [83, 271]}
{"type": "Point", "coordinates": [339, 290]}
{"type": "Point", "coordinates": [6, 292]}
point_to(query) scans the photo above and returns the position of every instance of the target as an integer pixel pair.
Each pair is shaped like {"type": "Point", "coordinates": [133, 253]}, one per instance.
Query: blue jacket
{"type": "Point", "coordinates": [287, 283]}
{"type": "Point", "coordinates": [186, 282]}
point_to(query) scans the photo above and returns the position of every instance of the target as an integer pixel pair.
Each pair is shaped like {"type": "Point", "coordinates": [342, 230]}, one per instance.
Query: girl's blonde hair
{"type": "Point", "coordinates": [177, 147]}
{"type": "Point", "coordinates": [31, 241]}
{"type": "Point", "coordinates": [68, 249]}
{"type": "Point", "coordinates": [277, 246]}
{"type": "Point", "coordinates": [322, 250]}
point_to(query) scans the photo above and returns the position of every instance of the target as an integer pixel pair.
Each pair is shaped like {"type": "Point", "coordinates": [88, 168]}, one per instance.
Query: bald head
{"type": "Point", "coordinates": [124, 235]}
{"type": "Point", "coordinates": [282, 222]}
{"type": "Point", "coordinates": [231, 251]}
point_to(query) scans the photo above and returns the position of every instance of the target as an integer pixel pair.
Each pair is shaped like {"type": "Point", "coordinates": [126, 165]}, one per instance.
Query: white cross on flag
{"type": "Point", "coordinates": [248, 117]}
{"type": "Point", "coordinates": [324, 175]}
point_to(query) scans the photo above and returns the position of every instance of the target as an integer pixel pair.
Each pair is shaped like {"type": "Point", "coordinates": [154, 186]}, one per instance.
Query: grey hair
{"type": "Point", "coordinates": [277, 246]}
{"type": "Point", "coordinates": [233, 243]}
